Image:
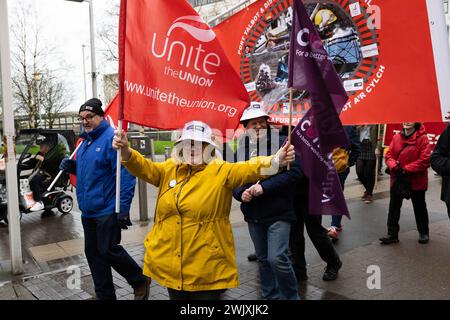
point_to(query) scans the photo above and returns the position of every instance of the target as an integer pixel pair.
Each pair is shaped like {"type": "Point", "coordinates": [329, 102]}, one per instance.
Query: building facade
{"type": "Point", "coordinates": [447, 16]}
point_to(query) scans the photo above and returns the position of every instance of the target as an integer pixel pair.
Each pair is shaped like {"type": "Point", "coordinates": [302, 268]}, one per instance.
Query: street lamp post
{"type": "Point", "coordinates": [15, 242]}
{"type": "Point", "coordinates": [84, 72]}
{"type": "Point", "coordinates": [37, 78]}
{"type": "Point", "coordinates": [92, 33]}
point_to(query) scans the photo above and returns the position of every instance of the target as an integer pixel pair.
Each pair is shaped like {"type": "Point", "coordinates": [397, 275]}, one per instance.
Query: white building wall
{"type": "Point", "coordinates": [447, 15]}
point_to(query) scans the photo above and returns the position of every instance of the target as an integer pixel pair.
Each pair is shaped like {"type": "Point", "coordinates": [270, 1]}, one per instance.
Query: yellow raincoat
{"type": "Point", "coordinates": [191, 246]}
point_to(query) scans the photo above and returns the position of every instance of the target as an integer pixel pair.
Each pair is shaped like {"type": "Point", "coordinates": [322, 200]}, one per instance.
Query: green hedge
{"type": "Point", "coordinates": [19, 149]}
{"type": "Point", "coordinates": [161, 145]}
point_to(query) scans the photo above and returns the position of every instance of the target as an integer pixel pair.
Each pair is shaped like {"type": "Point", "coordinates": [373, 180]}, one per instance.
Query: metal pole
{"type": "Point", "coordinates": [93, 66]}
{"type": "Point", "coordinates": [152, 150]}
{"type": "Point", "coordinates": [143, 208]}
{"type": "Point", "coordinates": [38, 103]}
{"type": "Point", "coordinates": [15, 242]}
{"type": "Point", "coordinates": [118, 168]}
{"type": "Point", "coordinates": [84, 72]}
{"type": "Point", "coordinates": [142, 188]}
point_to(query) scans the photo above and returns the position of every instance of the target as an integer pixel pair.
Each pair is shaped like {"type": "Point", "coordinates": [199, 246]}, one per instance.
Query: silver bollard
{"type": "Point", "coordinates": [143, 208]}
{"type": "Point", "coordinates": [167, 152]}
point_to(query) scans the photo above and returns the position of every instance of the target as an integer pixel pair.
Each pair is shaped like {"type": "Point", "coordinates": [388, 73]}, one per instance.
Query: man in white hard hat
{"type": "Point", "coordinates": [268, 207]}
{"type": "Point", "coordinates": [254, 117]}
{"type": "Point", "coordinates": [254, 120]}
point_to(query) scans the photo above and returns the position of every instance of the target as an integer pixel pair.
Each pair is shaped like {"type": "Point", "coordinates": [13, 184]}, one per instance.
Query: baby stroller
{"type": "Point", "coordinates": [61, 144]}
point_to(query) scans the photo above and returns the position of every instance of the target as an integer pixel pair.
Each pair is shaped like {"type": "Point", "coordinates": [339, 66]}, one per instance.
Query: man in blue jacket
{"type": "Point", "coordinates": [268, 208]}
{"type": "Point", "coordinates": [95, 168]}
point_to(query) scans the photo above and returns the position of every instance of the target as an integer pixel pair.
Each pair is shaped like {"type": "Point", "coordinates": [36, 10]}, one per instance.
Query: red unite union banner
{"type": "Point", "coordinates": [392, 57]}
{"type": "Point", "coordinates": [174, 69]}
{"type": "Point", "coordinates": [433, 129]}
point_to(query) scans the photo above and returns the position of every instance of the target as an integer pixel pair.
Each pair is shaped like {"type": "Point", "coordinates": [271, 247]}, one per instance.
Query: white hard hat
{"type": "Point", "coordinates": [197, 131]}
{"type": "Point", "coordinates": [254, 111]}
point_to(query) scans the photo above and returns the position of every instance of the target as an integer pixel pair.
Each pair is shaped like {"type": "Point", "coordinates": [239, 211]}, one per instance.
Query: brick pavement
{"type": "Point", "coordinates": [408, 270]}
{"type": "Point", "coordinates": [53, 285]}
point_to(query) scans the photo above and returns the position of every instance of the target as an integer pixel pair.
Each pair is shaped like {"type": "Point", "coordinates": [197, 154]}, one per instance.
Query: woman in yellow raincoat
{"type": "Point", "coordinates": [190, 249]}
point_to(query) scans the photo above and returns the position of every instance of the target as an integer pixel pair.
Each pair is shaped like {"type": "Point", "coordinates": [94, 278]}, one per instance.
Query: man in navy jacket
{"type": "Point", "coordinates": [95, 168]}
{"type": "Point", "coordinates": [268, 208]}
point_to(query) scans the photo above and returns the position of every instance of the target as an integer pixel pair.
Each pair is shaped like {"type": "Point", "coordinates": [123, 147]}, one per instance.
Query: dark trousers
{"type": "Point", "coordinates": [365, 169]}
{"type": "Point", "coordinates": [103, 251]}
{"type": "Point", "coordinates": [316, 232]}
{"type": "Point", "coordinates": [37, 186]}
{"type": "Point", "coordinates": [420, 212]}
{"type": "Point", "coordinates": [336, 220]}
{"type": "Point", "coordinates": [380, 164]}
{"type": "Point", "coordinates": [194, 295]}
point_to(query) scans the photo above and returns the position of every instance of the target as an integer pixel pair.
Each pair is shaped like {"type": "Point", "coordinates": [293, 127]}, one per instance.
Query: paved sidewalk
{"type": "Point", "coordinates": [408, 270]}
{"type": "Point", "coordinates": [56, 284]}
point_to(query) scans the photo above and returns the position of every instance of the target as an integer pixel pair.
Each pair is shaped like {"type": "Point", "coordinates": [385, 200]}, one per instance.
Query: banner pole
{"type": "Point", "coordinates": [290, 122]}
{"type": "Point", "coordinates": [118, 166]}
{"type": "Point", "coordinates": [61, 171]}
{"type": "Point", "coordinates": [377, 157]}
{"type": "Point", "coordinates": [120, 115]}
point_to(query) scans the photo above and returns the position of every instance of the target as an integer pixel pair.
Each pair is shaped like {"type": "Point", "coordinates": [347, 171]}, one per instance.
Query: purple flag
{"type": "Point", "coordinates": [320, 130]}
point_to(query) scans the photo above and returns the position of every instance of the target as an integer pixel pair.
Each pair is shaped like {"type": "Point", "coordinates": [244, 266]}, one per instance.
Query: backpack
{"type": "Point", "coordinates": [340, 159]}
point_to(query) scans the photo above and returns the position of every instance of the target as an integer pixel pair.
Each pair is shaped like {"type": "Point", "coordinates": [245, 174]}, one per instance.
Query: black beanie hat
{"type": "Point", "coordinates": [93, 105]}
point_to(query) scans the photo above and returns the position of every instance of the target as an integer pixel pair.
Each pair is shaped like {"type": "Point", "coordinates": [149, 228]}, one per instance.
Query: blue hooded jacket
{"type": "Point", "coordinates": [96, 175]}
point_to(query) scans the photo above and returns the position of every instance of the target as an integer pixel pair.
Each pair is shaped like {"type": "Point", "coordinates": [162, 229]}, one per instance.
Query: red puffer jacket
{"type": "Point", "coordinates": [414, 159]}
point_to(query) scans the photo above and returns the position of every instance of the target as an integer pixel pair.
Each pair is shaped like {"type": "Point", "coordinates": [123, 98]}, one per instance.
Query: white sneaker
{"type": "Point", "coordinates": [38, 206]}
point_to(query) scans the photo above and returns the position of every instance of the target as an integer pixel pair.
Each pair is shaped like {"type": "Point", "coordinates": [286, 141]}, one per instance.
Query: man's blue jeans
{"type": "Point", "coordinates": [271, 242]}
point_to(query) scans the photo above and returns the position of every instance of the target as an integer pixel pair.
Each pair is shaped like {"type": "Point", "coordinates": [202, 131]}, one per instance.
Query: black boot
{"type": "Point", "coordinates": [331, 271]}
{"type": "Point", "coordinates": [252, 257]}
{"type": "Point", "coordinates": [424, 238]}
{"type": "Point", "coordinates": [388, 239]}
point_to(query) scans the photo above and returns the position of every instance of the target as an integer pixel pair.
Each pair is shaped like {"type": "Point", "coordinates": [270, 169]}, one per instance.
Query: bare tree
{"type": "Point", "coordinates": [109, 33]}
{"type": "Point", "coordinates": [55, 99]}
{"type": "Point", "coordinates": [37, 89]}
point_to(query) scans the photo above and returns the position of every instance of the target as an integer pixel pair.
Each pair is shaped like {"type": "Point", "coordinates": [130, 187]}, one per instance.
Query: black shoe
{"type": "Point", "coordinates": [388, 239]}
{"type": "Point", "coordinates": [331, 271]}
{"type": "Point", "coordinates": [423, 238]}
{"type": "Point", "coordinates": [252, 257]}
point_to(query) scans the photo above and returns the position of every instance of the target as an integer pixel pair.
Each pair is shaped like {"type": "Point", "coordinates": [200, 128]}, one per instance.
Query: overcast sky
{"type": "Point", "coordinates": [66, 25]}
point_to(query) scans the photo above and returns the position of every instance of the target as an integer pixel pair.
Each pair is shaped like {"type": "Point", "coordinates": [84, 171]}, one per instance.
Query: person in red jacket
{"type": "Point", "coordinates": [409, 155]}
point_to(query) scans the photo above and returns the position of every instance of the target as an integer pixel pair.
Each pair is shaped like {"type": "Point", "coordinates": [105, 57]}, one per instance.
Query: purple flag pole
{"type": "Point", "coordinates": [320, 130]}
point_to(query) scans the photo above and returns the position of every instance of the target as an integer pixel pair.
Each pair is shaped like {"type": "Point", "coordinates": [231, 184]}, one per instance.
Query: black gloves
{"type": "Point", "coordinates": [68, 165]}
{"type": "Point", "coordinates": [124, 220]}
